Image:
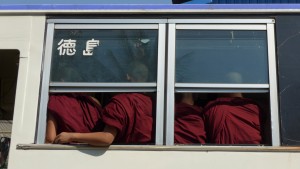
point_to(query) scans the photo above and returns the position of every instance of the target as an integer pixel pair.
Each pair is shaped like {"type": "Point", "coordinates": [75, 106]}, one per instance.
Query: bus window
{"type": "Point", "coordinates": [204, 61]}
{"type": "Point", "coordinates": [228, 65]}
{"type": "Point", "coordinates": [106, 59]}
{"type": "Point", "coordinates": [9, 64]}
{"type": "Point", "coordinates": [9, 60]}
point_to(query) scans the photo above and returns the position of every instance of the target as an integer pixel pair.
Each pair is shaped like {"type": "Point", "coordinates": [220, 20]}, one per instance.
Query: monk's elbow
{"type": "Point", "coordinates": [109, 141]}
{"type": "Point", "coordinates": [105, 141]}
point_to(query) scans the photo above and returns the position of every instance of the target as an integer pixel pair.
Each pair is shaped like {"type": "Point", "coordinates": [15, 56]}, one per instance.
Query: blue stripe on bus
{"type": "Point", "coordinates": [251, 1]}
{"type": "Point", "coordinates": [145, 7]}
{"type": "Point", "coordinates": [235, 1]}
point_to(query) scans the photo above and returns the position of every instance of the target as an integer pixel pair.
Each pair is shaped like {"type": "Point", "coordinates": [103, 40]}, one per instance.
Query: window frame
{"type": "Point", "coordinates": [165, 86]}
{"type": "Point", "coordinates": [134, 24]}
{"type": "Point", "coordinates": [221, 24]}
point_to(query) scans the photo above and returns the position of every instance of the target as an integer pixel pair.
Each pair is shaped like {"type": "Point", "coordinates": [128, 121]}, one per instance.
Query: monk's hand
{"type": "Point", "coordinates": [63, 137]}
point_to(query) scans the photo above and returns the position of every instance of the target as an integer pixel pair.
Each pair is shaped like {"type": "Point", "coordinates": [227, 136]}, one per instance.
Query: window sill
{"type": "Point", "coordinates": [160, 148]}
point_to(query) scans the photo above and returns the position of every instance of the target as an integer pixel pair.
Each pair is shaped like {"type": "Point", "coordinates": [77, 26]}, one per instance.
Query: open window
{"type": "Point", "coordinates": [210, 57]}
{"type": "Point", "coordinates": [9, 65]}
{"type": "Point", "coordinates": [96, 59]}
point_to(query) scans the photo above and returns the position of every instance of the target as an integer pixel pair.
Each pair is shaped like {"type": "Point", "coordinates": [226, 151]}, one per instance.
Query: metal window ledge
{"type": "Point", "coordinates": [235, 148]}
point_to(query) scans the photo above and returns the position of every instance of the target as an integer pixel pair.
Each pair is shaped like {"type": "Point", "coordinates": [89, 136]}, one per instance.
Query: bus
{"type": "Point", "coordinates": [188, 48]}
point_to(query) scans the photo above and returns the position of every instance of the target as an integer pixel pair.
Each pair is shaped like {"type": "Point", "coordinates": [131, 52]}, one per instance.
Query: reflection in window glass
{"type": "Point", "coordinates": [211, 56]}
{"type": "Point", "coordinates": [102, 55]}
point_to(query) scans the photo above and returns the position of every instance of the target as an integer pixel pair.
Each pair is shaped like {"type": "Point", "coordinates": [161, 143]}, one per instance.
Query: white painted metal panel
{"type": "Point", "coordinates": [95, 159]}
{"type": "Point", "coordinates": [26, 34]}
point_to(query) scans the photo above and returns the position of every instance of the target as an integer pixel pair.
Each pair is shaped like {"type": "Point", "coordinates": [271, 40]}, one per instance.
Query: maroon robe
{"type": "Point", "coordinates": [75, 113]}
{"type": "Point", "coordinates": [233, 121]}
{"type": "Point", "coordinates": [189, 125]}
{"type": "Point", "coordinates": [131, 115]}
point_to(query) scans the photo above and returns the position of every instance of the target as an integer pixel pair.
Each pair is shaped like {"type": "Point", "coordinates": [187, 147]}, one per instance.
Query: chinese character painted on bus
{"type": "Point", "coordinates": [90, 45]}
{"type": "Point", "coordinates": [67, 47]}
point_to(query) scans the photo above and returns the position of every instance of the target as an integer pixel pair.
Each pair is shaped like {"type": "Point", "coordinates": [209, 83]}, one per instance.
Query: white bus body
{"type": "Point", "coordinates": [26, 30]}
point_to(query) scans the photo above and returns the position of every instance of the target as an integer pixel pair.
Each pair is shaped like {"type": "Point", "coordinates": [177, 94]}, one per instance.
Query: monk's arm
{"type": "Point", "coordinates": [51, 129]}
{"type": "Point", "coordinates": [104, 138]}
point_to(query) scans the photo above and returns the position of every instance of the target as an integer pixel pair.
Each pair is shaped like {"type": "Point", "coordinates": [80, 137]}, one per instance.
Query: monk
{"type": "Point", "coordinates": [128, 118]}
{"type": "Point", "coordinates": [72, 112]}
{"type": "Point", "coordinates": [131, 115]}
{"type": "Point", "coordinates": [232, 119]}
{"type": "Point", "coordinates": [189, 124]}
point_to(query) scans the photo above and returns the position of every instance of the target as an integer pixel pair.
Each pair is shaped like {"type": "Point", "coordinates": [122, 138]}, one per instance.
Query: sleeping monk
{"type": "Point", "coordinates": [189, 125]}
{"type": "Point", "coordinates": [72, 112]}
{"type": "Point", "coordinates": [232, 119]}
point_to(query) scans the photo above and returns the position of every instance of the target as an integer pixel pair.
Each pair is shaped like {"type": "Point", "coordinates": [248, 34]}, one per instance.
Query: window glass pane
{"type": "Point", "coordinates": [103, 55]}
{"type": "Point", "coordinates": [288, 41]}
{"type": "Point", "coordinates": [227, 56]}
